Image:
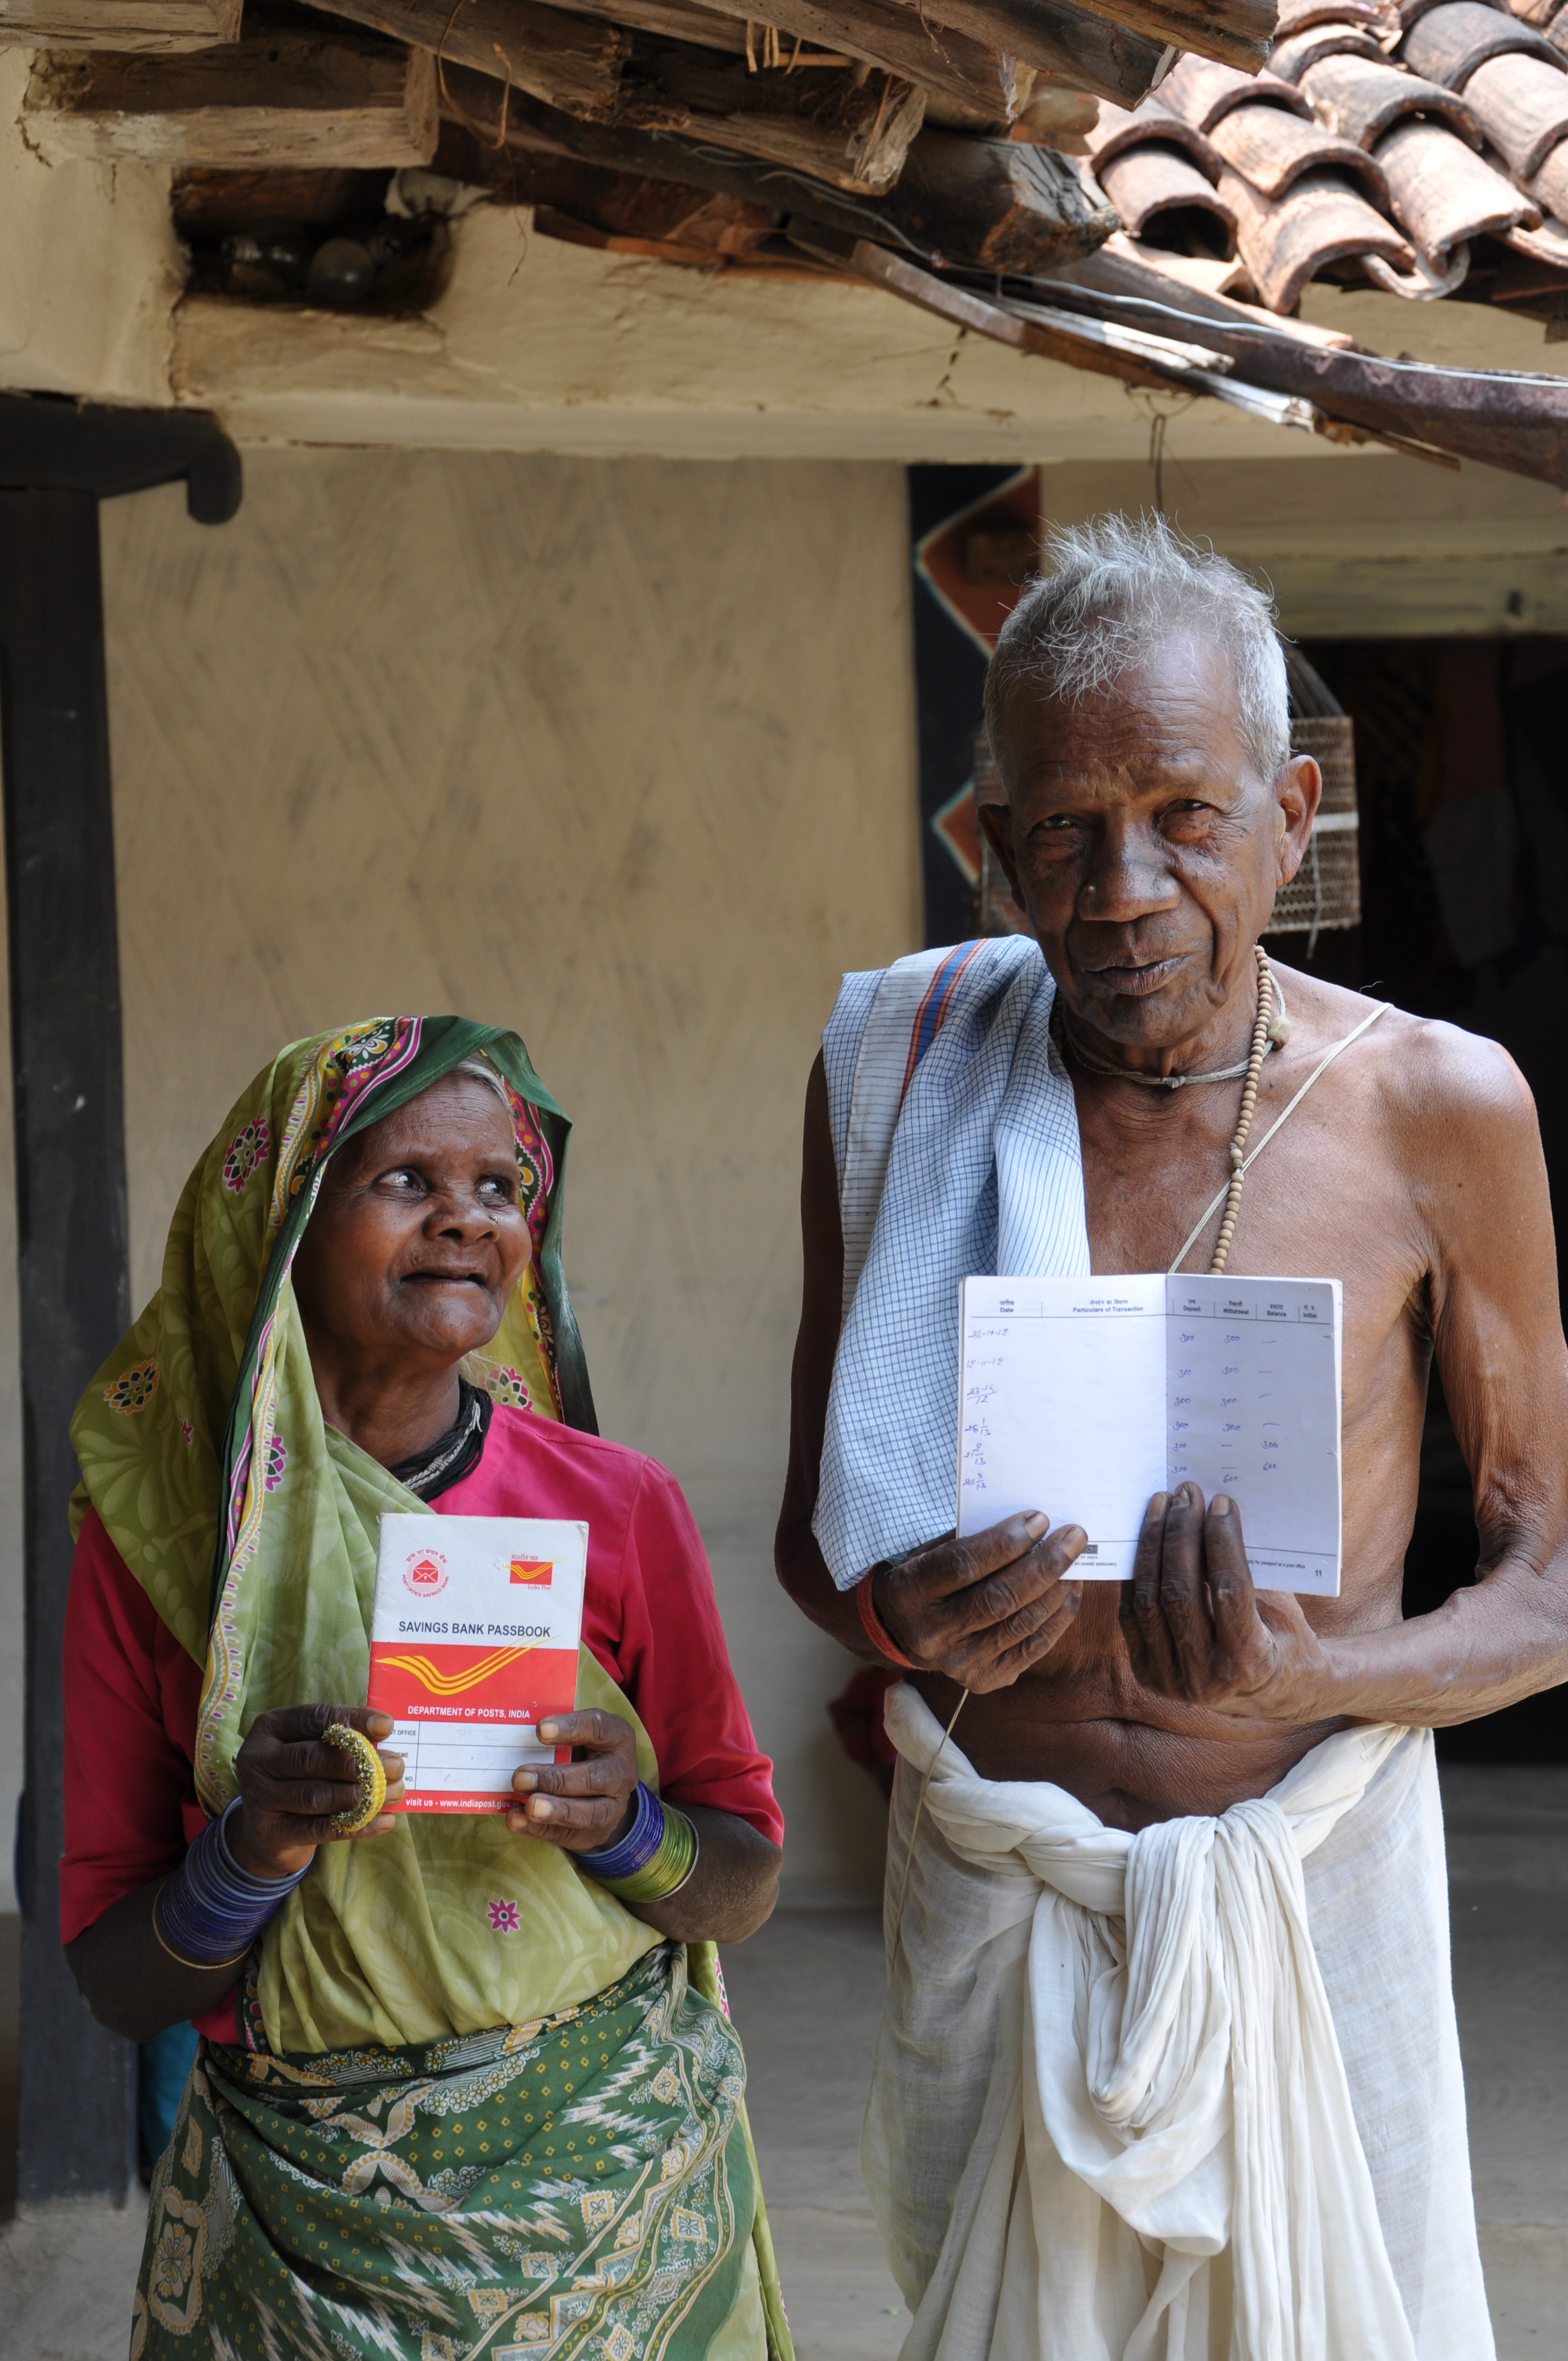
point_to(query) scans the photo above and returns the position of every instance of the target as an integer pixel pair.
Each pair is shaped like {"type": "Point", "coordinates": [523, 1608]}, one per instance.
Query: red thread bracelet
{"type": "Point", "coordinates": [877, 1632]}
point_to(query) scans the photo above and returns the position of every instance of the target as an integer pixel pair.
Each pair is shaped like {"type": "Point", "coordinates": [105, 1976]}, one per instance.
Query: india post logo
{"type": "Point", "coordinates": [534, 1570]}
{"type": "Point", "coordinates": [425, 1573]}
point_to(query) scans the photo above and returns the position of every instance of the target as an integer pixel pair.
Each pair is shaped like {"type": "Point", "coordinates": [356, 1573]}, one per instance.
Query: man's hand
{"type": "Point", "coordinates": [984, 1609]}
{"type": "Point", "coordinates": [1197, 1630]}
{"type": "Point", "coordinates": [583, 1805]}
{"type": "Point", "coordinates": [293, 1783]}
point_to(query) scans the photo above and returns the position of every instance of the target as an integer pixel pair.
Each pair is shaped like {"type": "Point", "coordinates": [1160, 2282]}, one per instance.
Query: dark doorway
{"type": "Point", "coordinates": [1461, 762]}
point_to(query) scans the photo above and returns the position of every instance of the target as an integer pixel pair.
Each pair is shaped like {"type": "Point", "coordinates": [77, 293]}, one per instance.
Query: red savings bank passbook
{"type": "Point", "coordinates": [474, 1637]}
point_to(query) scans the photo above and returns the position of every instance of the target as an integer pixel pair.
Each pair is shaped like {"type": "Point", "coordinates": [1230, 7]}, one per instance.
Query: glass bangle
{"type": "Point", "coordinates": [637, 1847]}
{"type": "Point", "coordinates": [209, 1913]}
{"type": "Point", "coordinates": [658, 1870]}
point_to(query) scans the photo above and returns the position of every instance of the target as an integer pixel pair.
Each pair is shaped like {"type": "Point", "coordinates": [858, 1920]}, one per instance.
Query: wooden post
{"type": "Point", "coordinates": [57, 459]}
{"type": "Point", "coordinates": [76, 2081]}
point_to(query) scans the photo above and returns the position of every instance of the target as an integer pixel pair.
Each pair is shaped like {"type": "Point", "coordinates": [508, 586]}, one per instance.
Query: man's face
{"type": "Point", "coordinates": [1143, 846]}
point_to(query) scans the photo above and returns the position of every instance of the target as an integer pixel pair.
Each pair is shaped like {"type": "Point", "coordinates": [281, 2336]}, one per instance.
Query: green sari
{"type": "Point", "coordinates": [388, 1978]}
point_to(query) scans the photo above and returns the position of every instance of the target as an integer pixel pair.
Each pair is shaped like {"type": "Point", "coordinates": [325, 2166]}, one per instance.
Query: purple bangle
{"type": "Point", "coordinates": [211, 1911]}
{"type": "Point", "coordinates": [636, 1847]}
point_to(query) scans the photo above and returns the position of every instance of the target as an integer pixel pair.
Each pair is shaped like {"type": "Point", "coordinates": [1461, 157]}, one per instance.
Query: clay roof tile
{"type": "Point", "coordinates": [1378, 16]}
{"type": "Point", "coordinates": [1360, 99]}
{"type": "Point", "coordinates": [1412, 11]}
{"type": "Point", "coordinates": [1324, 219]}
{"type": "Point", "coordinates": [1201, 91]}
{"type": "Point", "coordinates": [1522, 104]}
{"type": "Point", "coordinates": [1272, 149]}
{"type": "Point", "coordinates": [1549, 186]}
{"type": "Point", "coordinates": [1549, 244]}
{"type": "Point", "coordinates": [1441, 193]}
{"type": "Point", "coordinates": [1451, 41]}
{"type": "Point", "coordinates": [1291, 58]}
{"type": "Point", "coordinates": [1120, 127]}
{"type": "Point", "coordinates": [1148, 184]}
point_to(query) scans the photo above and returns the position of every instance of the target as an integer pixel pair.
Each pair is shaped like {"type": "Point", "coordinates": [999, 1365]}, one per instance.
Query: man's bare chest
{"type": "Point", "coordinates": [1327, 1199]}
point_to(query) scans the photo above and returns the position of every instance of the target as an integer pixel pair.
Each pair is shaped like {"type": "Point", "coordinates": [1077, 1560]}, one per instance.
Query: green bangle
{"type": "Point", "coordinates": [671, 1866]}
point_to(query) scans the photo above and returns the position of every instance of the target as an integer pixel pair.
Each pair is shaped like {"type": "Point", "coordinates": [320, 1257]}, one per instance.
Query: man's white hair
{"type": "Point", "coordinates": [1115, 587]}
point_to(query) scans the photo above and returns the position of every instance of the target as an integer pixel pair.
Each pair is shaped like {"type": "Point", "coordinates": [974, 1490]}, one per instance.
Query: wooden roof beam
{"type": "Point", "coordinates": [493, 35]}
{"type": "Point", "coordinates": [1055, 33]}
{"type": "Point", "coordinates": [848, 126]}
{"type": "Point", "coordinates": [1000, 204]}
{"type": "Point", "coordinates": [978, 53]}
{"type": "Point", "coordinates": [283, 99]}
{"type": "Point", "coordinates": [559, 58]}
{"type": "Point", "coordinates": [158, 25]}
{"type": "Point", "coordinates": [1081, 46]}
{"type": "Point", "coordinates": [845, 126]}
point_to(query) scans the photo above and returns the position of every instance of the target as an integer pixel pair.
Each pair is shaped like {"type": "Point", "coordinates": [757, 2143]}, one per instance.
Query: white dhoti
{"type": "Point", "coordinates": [1189, 2095]}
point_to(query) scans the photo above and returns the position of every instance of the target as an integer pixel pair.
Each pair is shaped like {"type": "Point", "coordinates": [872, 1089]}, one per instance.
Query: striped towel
{"type": "Point", "coordinates": [956, 1139]}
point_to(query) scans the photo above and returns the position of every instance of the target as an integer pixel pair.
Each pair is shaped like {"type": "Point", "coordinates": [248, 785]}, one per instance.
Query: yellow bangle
{"type": "Point", "coordinates": [368, 1769]}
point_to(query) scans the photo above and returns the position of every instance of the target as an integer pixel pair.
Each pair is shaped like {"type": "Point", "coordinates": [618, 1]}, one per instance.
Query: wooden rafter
{"type": "Point", "coordinates": [1000, 205]}
{"type": "Point", "coordinates": [980, 54]}
{"type": "Point", "coordinates": [1008, 199]}
{"type": "Point", "coordinates": [880, 33]}
{"type": "Point", "coordinates": [1048, 32]}
{"type": "Point", "coordinates": [481, 33]}
{"type": "Point", "coordinates": [848, 128]}
{"type": "Point", "coordinates": [1058, 38]}
{"type": "Point", "coordinates": [271, 98]}
{"type": "Point", "coordinates": [148, 25]}
{"type": "Point", "coordinates": [961, 309]}
{"type": "Point", "coordinates": [545, 51]}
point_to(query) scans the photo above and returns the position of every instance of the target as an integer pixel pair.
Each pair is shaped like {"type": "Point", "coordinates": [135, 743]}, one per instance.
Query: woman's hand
{"type": "Point", "coordinates": [586, 1803]}
{"type": "Point", "coordinates": [292, 1783]}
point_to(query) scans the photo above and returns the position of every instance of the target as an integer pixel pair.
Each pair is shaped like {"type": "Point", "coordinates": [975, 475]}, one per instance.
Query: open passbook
{"type": "Point", "coordinates": [1084, 1397]}
{"type": "Point", "coordinates": [474, 1637]}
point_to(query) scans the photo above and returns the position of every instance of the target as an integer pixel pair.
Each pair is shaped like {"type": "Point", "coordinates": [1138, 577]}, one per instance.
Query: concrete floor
{"type": "Point", "coordinates": [1508, 1857]}
{"type": "Point", "coordinates": [806, 1995]}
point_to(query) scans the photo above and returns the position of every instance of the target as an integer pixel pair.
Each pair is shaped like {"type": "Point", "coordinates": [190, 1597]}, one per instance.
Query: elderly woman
{"type": "Point", "coordinates": [466, 2087]}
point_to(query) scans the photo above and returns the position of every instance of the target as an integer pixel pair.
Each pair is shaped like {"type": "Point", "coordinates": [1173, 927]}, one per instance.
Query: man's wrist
{"type": "Point", "coordinates": [1337, 1682]}
{"type": "Point", "coordinates": [875, 1630]}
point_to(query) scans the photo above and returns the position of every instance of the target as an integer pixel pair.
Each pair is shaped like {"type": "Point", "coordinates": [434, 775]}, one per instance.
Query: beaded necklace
{"type": "Point", "coordinates": [1271, 1030]}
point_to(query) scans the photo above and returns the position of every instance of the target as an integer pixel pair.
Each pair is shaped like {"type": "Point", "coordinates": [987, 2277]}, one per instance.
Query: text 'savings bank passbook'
{"type": "Point", "coordinates": [474, 1638]}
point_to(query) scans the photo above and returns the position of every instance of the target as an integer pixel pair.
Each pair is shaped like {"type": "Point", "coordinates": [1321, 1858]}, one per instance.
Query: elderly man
{"type": "Point", "coordinates": [1170, 2065]}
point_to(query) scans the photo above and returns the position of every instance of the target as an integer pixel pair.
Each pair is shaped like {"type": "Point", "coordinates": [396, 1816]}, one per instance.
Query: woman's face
{"type": "Point", "coordinates": [418, 1238]}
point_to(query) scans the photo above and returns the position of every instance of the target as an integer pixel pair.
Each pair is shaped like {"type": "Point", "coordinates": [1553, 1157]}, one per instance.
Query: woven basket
{"type": "Point", "coordinates": [1325, 892]}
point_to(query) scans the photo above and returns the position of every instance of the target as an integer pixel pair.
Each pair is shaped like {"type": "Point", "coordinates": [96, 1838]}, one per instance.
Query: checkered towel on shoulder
{"type": "Point", "coordinates": [955, 1134]}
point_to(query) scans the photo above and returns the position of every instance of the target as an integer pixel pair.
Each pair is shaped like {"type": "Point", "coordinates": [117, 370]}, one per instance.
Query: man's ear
{"type": "Point", "coordinates": [996, 819]}
{"type": "Point", "coordinates": [1298, 791]}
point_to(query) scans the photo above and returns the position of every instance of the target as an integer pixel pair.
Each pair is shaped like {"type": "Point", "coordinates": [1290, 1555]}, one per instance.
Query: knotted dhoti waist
{"type": "Point", "coordinates": [1186, 2092]}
